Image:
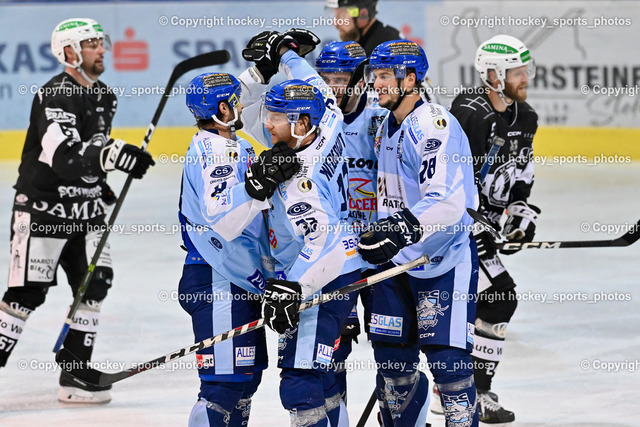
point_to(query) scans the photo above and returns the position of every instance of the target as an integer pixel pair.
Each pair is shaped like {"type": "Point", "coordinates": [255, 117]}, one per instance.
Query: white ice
{"type": "Point", "coordinates": [540, 377]}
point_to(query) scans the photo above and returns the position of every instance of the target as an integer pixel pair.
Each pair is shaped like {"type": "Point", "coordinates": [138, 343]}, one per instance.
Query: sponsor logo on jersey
{"type": "Point", "coordinates": [58, 115]}
{"type": "Point", "coordinates": [439, 123]}
{"type": "Point", "coordinates": [436, 259]}
{"type": "Point", "coordinates": [245, 356]}
{"type": "Point", "coordinates": [414, 129]}
{"type": "Point", "coordinates": [231, 154]}
{"type": "Point", "coordinates": [273, 242]}
{"type": "Point", "coordinates": [432, 194]}
{"type": "Point", "coordinates": [257, 280]}
{"type": "Point", "coordinates": [324, 354]}
{"type": "Point", "coordinates": [221, 171]}
{"type": "Point", "coordinates": [376, 121]}
{"type": "Point", "coordinates": [88, 209]}
{"type": "Point", "coordinates": [432, 144]}
{"type": "Point", "coordinates": [429, 308]}
{"type": "Point", "coordinates": [385, 325]}
{"type": "Point", "coordinates": [471, 331]}
{"type": "Point", "coordinates": [299, 209]}
{"type": "Point", "coordinates": [305, 185]}
{"type": "Point", "coordinates": [204, 361]}
{"type": "Point", "coordinates": [215, 242]}
{"type": "Point", "coordinates": [21, 199]}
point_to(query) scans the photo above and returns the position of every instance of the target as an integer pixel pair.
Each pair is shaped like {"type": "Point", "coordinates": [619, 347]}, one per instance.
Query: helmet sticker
{"type": "Point", "coordinates": [296, 92]}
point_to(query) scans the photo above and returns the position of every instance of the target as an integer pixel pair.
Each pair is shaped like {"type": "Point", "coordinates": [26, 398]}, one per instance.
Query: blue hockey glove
{"type": "Point", "coordinates": [281, 304]}
{"type": "Point", "coordinates": [385, 238]}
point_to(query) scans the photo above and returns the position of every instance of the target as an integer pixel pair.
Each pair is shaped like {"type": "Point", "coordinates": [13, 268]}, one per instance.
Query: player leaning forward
{"type": "Point", "coordinates": [225, 235]}
{"type": "Point", "coordinates": [422, 201]}
{"type": "Point", "coordinates": [62, 184]}
{"type": "Point", "coordinates": [499, 110]}
{"type": "Point", "coordinates": [311, 240]}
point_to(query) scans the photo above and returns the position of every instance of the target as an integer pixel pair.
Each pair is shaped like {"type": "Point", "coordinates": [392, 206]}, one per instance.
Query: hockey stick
{"type": "Point", "coordinates": [493, 152]}
{"type": "Point", "coordinates": [629, 238]}
{"type": "Point", "coordinates": [85, 375]}
{"type": "Point", "coordinates": [367, 410]}
{"type": "Point", "coordinates": [205, 60]}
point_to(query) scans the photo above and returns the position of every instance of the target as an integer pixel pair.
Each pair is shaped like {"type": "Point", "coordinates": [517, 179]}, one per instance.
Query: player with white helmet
{"type": "Point", "coordinates": [498, 110]}
{"type": "Point", "coordinates": [221, 214]}
{"type": "Point", "coordinates": [423, 194]}
{"type": "Point", "coordinates": [62, 183]}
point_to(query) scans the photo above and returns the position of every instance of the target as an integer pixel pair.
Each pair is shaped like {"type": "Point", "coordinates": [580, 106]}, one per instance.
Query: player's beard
{"type": "Point", "coordinates": [238, 124]}
{"type": "Point", "coordinates": [349, 34]}
{"type": "Point", "coordinates": [511, 91]}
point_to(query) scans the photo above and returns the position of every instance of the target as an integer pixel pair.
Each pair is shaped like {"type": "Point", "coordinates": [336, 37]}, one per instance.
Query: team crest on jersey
{"type": "Point", "coordinates": [305, 185]}
{"type": "Point", "coordinates": [429, 308]}
{"type": "Point", "coordinates": [459, 409]}
{"type": "Point", "coordinates": [375, 123]}
{"type": "Point", "coordinates": [439, 123]}
{"type": "Point", "coordinates": [283, 338]}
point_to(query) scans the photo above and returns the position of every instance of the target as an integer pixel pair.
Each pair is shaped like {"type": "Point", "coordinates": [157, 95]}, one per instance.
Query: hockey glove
{"type": "Point", "coordinates": [350, 329]}
{"type": "Point", "coordinates": [272, 168]}
{"type": "Point", "coordinates": [306, 40]}
{"type": "Point", "coordinates": [281, 304]}
{"type": "Point", "coordinates": [521, 223]}
{"type": "Point", "coordinates": [485, 242]}
{"type": "Point", "coordinates": [385, 238]}
{"type": "Point", "coordinates": [264, 50]}
{"type": "Point", "coordinates": [128, 158]}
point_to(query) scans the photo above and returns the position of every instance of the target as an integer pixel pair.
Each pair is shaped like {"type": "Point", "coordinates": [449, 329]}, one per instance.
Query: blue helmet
{"type": "Point", "coordinates": [207, 90]}
{"type": "Point", "coordinates": [295, 97]}
{"type": "Point", "coordinates": [400, 55]}
{"type": "Point", "coordinates": [337, 57]}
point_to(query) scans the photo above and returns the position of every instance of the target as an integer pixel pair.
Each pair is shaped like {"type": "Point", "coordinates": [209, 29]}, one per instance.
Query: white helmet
{"type": "Point", "coordinates": [71, 32]}
{"type": "Point", "coordinates": [501, 53]}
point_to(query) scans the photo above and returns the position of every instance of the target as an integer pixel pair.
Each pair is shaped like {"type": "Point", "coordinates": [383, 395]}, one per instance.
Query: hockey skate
{"type": "Point", "coordinates": [73, 392]}
{"type": "Point", "coordinates": [491, 412]}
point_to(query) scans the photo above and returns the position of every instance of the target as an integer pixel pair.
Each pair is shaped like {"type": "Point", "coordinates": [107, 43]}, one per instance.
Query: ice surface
{"type": "Point", "coordinates": [540, 377]}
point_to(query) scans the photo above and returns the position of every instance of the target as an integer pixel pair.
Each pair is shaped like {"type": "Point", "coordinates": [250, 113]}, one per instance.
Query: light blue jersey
{"type": "Point", "coordinates": [223, 222]}
{"type": "Point", "coordinates": [360, 128]}
{"type": "Point", "coordinates": [424, 165]}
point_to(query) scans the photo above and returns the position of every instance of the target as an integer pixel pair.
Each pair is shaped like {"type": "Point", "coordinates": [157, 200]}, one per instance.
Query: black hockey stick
{"type": "Point", "coordinates": [367, 410]}
{"type": "Point", "coordinates": [84, 374]}
{"type": "Point", "coordinates": [217, 57]}
{"type": "Point", "coordinates": [350, 90]}
{"type": "Point", "coordinates": [629, 238]}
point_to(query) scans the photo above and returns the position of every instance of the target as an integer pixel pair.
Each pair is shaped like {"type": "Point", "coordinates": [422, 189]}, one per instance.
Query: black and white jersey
{"type": "Point", "coordinates": [60, 172]}
{"type": "Point", "coordinates": [510, 176]}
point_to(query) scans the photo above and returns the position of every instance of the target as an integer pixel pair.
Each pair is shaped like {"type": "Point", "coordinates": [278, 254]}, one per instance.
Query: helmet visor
{"type": "Point", "coordinates": [94, 42]}
{"type": "Point", "coordinates": [514, 74]}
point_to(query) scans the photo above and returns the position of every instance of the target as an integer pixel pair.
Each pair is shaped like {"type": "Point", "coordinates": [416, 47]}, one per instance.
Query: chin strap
{"type": "Point", "coordinates": [231, 124]}
{"type": "Point", "coordinates": [299, 138]}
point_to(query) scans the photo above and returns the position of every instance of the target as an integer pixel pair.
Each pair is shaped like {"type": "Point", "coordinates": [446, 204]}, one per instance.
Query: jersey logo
{"type": "Point", "coordinates": [429, 309]}
{"type": "Point", "coordinates": [299, 209]}
{"type": "Point", "coordinates": [432, 144]}
{"type": "Point", "coordinates": [58, 115]}
{"type": "Point", "coordinates": [305, 185]}
{"type": "Point", "coordinates": [439, 123]}
{"type": "Point", "coordinates": [221, 171]}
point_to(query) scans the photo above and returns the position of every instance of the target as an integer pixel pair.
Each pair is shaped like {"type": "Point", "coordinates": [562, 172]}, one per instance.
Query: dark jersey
{"type": "Point", "coordinates": [510, 176]}
{"type": "Point", "coordinates": [60, 172]}
{"type": "Point", "coordinates": [377, 33]}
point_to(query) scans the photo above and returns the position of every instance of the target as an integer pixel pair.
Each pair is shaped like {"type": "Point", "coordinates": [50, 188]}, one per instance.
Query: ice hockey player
{"type": "Point", "coordinates": [356, 21]}
{"type": "Point", "coordinates": [222, 219]}
{"type": "Point", "coordinates": [62, 187]}
{"type": "Point", "coordinates": [498, 109]}
{"type": "Point", "coordinates": [423, 194]}
{"type": "Point", "coordinates": [310, 239]}
{"type": "Point", "coordinates": [362, 116]}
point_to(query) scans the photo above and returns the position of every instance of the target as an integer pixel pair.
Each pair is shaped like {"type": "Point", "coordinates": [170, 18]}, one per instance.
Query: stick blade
{"type": "Point", "coordinates": [78, 369]}
{"type": "Point", "coordinates": [632, 235]}
{"type": "Point", "coordinates": [216, 57]}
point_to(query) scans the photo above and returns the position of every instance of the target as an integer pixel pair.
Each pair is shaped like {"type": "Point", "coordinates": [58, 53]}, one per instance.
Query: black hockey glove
{"type": "Point", "coordinates": [306, 40]}
{"type": "Point", "coordinates": [351, 329]}
{"type": "Point", "coordinates": [521, 224]}
{"type": "Point", "coordinates": [128, 158]}
{"type": "Point", "coordinates": [385, 238]}
{"type": "Point", "coordinates": [485, 242]}
{"type": "Point", "coordinates": [264, 50]}
{"type": "Point", "coordinates": [281, 304]}
{"type": "Point", "coordinates": [270, 169]}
